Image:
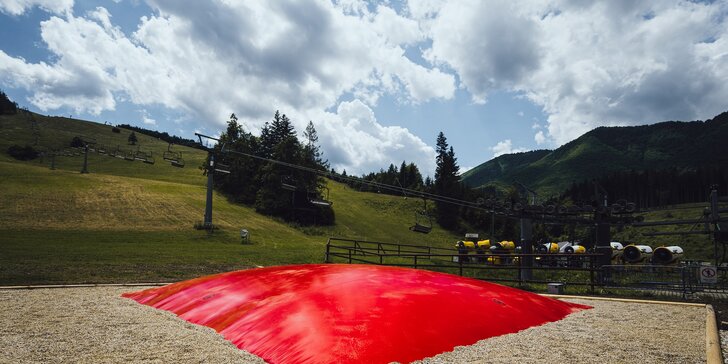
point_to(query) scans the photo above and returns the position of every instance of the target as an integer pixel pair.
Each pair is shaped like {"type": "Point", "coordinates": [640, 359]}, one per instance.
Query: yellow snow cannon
{"type": "Point", "coordinates": [504, 245]}
{"type": "Point", "coordinates": [466, 244]}
{"type": "Point", "coordinates": [634, 254]}
{"type": "Point", "coordinates": [484, 244]}
{"type": "Point", "coordinates": [575, 249]}
{"type": "Point", "coordinates": [665, 255]}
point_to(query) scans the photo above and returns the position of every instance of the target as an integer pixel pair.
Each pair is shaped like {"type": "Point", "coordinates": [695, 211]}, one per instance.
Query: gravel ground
{"type": "Point", "coordinates": [611, 332]}
{"type": "Point", "coordinates": [96, 325]}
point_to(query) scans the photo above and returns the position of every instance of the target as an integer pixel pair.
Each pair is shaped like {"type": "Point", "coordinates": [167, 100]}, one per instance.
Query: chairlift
{"type": "Point", "coordinates": [172, 156]}
{"type": "Point", "coordinates": [177, 163]}
{"type": "Point", "coordinates": [145, 157]}
{"type": "Point", "coordinates": [222, 168]}
{"type": "Point", "coordinates": [314, 199]}
{"type": "Point", "coordinates": [423, 221]}
{"type": "Point", "coordinates": [288, 183]}
{"type": "Point", "coordinates": [149, 158]}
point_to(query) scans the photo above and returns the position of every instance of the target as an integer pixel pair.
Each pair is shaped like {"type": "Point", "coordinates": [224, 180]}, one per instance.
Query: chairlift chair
{"type": "Point", "coordinates": [423, 221]}
{"type": "Point", "coordinates": [140, 156]}
{"type": "Point", "coordinates": [170, 155]}
{"type": "Point", "coordinates": [314, 199]}
{"type": "Point", "coordinates": [149, 158]}
{"type": "Point", "coordinates": [288, 183]}
{"type": "Point", "coordinates": [180, 163]}
{"type": "Point", "coordinates": [219, 166]}
{"type": "Point", "coordinates": [222, 168]}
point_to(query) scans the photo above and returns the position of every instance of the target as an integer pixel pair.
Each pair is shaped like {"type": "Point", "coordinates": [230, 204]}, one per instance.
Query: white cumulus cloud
{"type": "Point", "coordinates": [209, 59]}
{"type": "Point", "coordinates": [18, 7]}
{"type": "Point", "coordinates": [540, 137]}
{"type": "Point", "coordinates": [505, 147]}
{"type": "Point", "coordinates": [587, 63]}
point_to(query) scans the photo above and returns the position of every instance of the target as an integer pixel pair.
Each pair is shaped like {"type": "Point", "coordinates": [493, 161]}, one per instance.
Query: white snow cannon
{"type": "Point", "coordinates": [635, 254]}
{"type": "Point", "coordinates": [667, 255]}
{"type": "Point", "coordinates": [617, 250]}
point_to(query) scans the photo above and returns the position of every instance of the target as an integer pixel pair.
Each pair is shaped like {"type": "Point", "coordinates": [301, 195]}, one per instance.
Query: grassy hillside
{"type": "Point", "coordinates": [130, 221]}
{"type": "Point", "coordinates": [609, 149]}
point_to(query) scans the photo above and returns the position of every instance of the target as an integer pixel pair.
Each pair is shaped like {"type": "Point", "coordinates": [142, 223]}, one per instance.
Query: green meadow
{"type": "Point", "coordinates": [127, 221]}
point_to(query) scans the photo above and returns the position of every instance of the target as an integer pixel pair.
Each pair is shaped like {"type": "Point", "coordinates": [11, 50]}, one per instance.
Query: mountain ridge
{"type": "Point", "coordinates": [605, 150]}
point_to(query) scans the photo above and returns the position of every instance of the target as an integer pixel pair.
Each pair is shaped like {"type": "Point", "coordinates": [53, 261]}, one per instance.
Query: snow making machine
{"type": "Point", "coordinates": [637, 254]}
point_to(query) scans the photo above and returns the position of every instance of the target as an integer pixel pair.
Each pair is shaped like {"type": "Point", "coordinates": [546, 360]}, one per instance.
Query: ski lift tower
{"type": "Point", "coordinates": [86, 142]}
{"type": "Point", "coordinates": [211, 168]}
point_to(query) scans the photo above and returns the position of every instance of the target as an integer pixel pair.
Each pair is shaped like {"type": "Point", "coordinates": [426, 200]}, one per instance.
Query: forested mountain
{"type": "Point", "coordinates": [672, 150]}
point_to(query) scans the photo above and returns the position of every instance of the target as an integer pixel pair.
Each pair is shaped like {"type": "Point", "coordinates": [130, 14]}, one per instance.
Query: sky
{"type": "Point", "coordinates": [379, 80]}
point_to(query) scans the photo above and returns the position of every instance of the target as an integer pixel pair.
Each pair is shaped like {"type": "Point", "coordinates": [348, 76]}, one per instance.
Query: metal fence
{"type": "Point", "coordinates": [569, 269]}
{"type": "Point", "coordinates": [579, 270]}
{"type": "Point", "coordinates": [683, 280]}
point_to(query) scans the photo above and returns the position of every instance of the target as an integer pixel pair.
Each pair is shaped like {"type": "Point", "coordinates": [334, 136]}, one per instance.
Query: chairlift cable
{"type": "Point", "coordinates": [379, 185]}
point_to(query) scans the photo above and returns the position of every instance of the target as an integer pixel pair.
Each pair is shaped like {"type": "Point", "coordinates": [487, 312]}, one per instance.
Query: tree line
{"type": "Point", "coordinates": [293, 194]}
{"type": "Point", "coordinates": [654, 187]}
{"type": "Point", "coordinates": [160, 135]}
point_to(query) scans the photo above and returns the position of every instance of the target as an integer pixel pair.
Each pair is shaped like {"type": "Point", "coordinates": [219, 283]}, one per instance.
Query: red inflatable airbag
{"type": "Point", "coordinates": [336, 313]}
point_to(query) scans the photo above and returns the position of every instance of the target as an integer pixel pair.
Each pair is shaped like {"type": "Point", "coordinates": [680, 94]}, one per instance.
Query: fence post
{"type": "Point", "coordinates": [460, 263]}
{"type": "Point", "coordinates": [684, 283]}
{"type": "Point", "coordinates": [327, 252]}
{"type": "Point", "coordinates": [591, 274]}
{"type": "Point", "coordinates": [349, 256]}
{"type": "Point", "coordinates": [415, 261]}
{"type": "Point", "coordinates": [520, 272]}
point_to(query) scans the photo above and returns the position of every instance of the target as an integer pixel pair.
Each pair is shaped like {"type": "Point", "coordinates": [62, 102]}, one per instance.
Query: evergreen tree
{"type": "Point", "coordinates": [312, 151]}
{"type": "Point", "coordinates": [132, 138]}
{"type": "Point", "coordinates": [241, 182]}
{"type": "Point", "coordinates": [447, 183]}
{"type": "Point", "coordinates": [7, 106]}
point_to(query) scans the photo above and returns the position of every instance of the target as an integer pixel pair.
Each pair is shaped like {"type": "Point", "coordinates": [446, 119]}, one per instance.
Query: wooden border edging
{"type": "Point", "coordinates": [712, 338]}
{"type": "Point", "coordinates": [626, 300]}
{"type": "Point", "coordinates": [713, 350]}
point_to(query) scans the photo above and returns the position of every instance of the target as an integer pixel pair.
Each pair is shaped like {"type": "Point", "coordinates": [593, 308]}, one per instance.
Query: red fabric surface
{"type": "Point", "coordinates": [340, 313]}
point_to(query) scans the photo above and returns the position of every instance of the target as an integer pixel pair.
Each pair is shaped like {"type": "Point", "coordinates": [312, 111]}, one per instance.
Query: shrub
{"type": "Point", "coordinates": [116, 130]}
{"type": "Point", "coordinates": [76, 142]}
{"type": "Point", "coordinates": [25, 153]}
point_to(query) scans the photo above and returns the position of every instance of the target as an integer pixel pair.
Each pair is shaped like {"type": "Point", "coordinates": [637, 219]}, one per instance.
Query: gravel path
{"type": "Point", "coordinates": [96, 325]}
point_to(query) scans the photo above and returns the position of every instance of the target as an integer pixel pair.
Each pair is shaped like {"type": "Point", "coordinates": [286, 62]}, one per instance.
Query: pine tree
{"type": "Point", "coordinates": [7, 106]}
{"type": "Point", "coordinates": [240, 183]}
{"type": "Point", "coordinates": [312, 151]}
{"type": "Point", "coordinates": [447, 183]}
{"type": "Point", "coordinates": [132, 139]}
